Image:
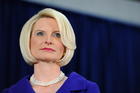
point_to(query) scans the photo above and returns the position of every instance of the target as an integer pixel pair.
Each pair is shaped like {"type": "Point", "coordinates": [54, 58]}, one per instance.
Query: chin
{"type": "Point", "coordinates": [48, 59]}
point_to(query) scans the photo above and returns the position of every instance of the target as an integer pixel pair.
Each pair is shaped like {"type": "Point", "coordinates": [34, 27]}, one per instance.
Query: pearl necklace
{"type": "Point", "coordinates": [41, 83]}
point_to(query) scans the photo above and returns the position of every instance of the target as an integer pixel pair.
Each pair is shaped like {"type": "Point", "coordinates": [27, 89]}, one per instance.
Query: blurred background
{"type": "Point", "coordinates": [107, 36]}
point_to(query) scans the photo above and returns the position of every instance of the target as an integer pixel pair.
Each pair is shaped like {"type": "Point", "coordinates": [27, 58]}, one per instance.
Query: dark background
{"type": "Point", "coordinates": [108, 52]}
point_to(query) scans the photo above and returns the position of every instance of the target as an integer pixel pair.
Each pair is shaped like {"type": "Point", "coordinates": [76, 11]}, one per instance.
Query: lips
{"type": "Point", "coordinates": [48, 49]}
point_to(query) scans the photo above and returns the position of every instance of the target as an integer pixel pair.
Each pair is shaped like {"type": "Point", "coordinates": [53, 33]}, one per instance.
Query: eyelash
{"type": "Point", "coordinates": [39, 33]}
{"type": "Point", "coordinates": [56, 34]}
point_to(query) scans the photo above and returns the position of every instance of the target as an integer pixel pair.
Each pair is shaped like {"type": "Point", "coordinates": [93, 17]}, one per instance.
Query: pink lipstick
{"type": "Point", "coordinates": [48, 49]}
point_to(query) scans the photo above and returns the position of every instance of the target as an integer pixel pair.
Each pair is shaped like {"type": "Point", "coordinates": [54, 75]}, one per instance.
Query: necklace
{"type": "Point", "coordinates": [41, 83]}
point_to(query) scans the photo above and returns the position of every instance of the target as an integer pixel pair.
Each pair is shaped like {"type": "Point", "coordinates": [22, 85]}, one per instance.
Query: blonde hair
{"type": "Point", "coordinates": [66, 31]}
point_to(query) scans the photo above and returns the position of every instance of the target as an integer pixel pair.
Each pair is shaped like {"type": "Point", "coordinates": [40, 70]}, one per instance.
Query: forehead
{"type": "Point", "coordinates": [46, 23]}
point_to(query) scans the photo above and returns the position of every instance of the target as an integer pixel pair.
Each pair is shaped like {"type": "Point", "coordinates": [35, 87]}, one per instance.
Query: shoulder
{"type": "Point", "coordinates": [82, 83]}
{"type": "Point", "coordinates": [22, 86]}
{"type": "Point", "coordinates": [92, 87]}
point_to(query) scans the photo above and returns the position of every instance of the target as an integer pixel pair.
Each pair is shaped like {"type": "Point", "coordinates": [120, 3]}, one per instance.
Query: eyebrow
{"type": "Point", "coordinates": [56, 31]}
{"type": "Point", "coordinates": [44, 31]}
{"type": "Point", "coordinates": [39, 30]}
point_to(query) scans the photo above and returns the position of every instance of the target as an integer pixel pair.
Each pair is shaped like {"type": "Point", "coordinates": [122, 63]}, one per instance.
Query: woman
{"type": "Point", "coordinates": [47, 42]}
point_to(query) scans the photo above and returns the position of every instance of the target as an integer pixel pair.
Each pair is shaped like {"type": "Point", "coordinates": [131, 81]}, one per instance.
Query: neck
{"type": "Point", "coordinates": [46, 71]}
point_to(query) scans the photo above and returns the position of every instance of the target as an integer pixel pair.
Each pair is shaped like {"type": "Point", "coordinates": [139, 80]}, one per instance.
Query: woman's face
{"type": "Point", "coordinates": [45, 42]}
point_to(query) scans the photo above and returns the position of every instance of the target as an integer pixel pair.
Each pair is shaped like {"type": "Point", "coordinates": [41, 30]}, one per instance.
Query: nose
{"type": "Point", "coordinates": [48, 40]}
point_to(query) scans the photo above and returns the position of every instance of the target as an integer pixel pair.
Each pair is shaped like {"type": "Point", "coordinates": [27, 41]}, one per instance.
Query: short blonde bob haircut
{"type": "Point", "coordinates": [66, 31]}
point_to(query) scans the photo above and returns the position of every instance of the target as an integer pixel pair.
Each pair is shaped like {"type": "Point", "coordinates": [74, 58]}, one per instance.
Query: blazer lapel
{"type": "Point", "coordinates": [74, 83]}
{"type": "Point", "coordinates": [23, 86]}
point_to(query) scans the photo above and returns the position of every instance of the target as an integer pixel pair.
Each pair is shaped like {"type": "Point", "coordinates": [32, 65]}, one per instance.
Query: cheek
{"type": "Point", "coordinates": [33, 44]}
{"type": "Point", "coordinates": [61, 49]}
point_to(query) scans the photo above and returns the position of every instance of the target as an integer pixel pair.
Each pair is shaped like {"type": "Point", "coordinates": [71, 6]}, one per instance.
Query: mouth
{"type": "Point", "coordinates": [48, 49]}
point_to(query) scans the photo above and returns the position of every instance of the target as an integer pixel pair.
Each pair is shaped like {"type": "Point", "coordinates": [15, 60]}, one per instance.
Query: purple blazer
{"type": "Point", "coordinates": [74, 84]}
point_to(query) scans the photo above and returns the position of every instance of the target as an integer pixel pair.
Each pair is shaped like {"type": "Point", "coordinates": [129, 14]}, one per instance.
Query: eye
{"type": "Point", "coordinates": [39, 33]}
{"type": "Point", "coordinates": [57, 34]}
